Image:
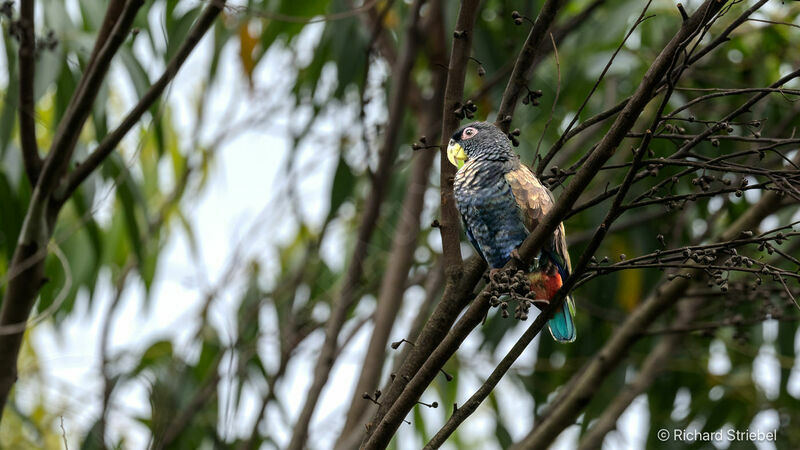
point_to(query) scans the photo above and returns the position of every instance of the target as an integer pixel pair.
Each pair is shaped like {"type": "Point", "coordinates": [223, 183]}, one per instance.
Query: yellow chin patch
{"type": "Point", "coordinates": [456, 154]}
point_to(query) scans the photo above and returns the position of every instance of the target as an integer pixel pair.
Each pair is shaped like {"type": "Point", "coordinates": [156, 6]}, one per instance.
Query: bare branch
{"type": "Point", "coordinates": [110, 142]}
{"type": "Point", "coordinates": [586, 383]}
{"type": "Point", "coordinates": [724, 36]}
{"type": "Point", "coordinates": [70, 126]}
{"type": "Point", "coordinates": [449, 219]}
{"type": "Point", "coordinates": [392, 287]}
{"type": "Point", "coordinates": [567, 135]}
{"type": "Point", "coordinates": [472, 404]}
{"type": "Point", "coordinates": [650, 369]}
{"type": "Point", "coordinates": [27, 110]}
{"type": "Point", "coordinates": [26, 272]}
{"type": "Point", "coordinates": [405, 238]}
{"type": "Point", "coordinates": [570, 133]}
{"type": "Point", "coordinates": [206, 392]}
{"type": "Point", "coordinates": [108, 381]}
{"type": "Point", "coordinates": [523, 67]}
{"type": "Point", "coordinates": [693, 140]}
{"type": "Point", "coordinates": [469, 407]}
{"type": "Point", "coordinates": [113, 12]}
{"type": "Point", "coordinates": [346, 298]}
{"type": "Point", "coordinates": [555, 99]}
{"type": "Point", "coordinates": [534, 242]}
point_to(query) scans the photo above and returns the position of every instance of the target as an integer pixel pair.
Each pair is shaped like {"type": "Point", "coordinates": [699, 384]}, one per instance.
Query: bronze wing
{"type": "Point", "coordinates": [535, 201]}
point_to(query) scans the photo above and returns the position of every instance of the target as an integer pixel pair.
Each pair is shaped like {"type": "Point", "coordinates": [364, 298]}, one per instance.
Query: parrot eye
{"type": "Point", "coordinates": [468, 133]}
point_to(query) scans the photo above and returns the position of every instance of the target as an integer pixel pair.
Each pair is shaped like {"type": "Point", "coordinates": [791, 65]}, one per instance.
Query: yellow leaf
{"type": "Point", "coordinates": [629, 289]}
{"type": "Point", "coordinates": [247, 44]}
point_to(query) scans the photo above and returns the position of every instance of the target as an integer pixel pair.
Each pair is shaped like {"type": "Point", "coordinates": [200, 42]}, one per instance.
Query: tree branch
{"type": "Point", "coordinates": [570, 133]}
{"type": "Point", "coordinates": [566, 135]}
{"type": "Point", "coordinates": [523, 67]}
{"type": "Point", "coordinates": [27, 110]}
{"type": "Point", "coordinates": [26, 272]}
{"type": "Point", "coordinates": [451, 305]}
{"type": "Point", "coordinates": [405, 239]}
{"type": "Point", "coordinates": [624, 122]}
{"type": "Point", "coordinates": [723, 37]}
{"type": "Point", "coordinates": [560, 32]}
{"type": "Point", "coordinates": [469, 407]}
{"type": "Point", "coordinates": [108, 379]}
{"type": "Point", "coordinates": [110, 142]}
{"type": "Point", "coordinates": [651, 368]}
{"type": "Point", "coordinates": [694, 140]}
{"type": "Point", "coordinates": [392, 287]}
{"type": "Point", "coordinates": [179, 422]}
{"type": "Point", "coordinates": [397, 105]}
{"type": "Point", "coordinates": [449, 219]}
{"type": "Point", "coordinates": [567, 407]}
{"type": "Point", "coordinates": [433, 287]}
{"type": "Point", "coordinates": [111, 18]}
{"type": "Point", "coordinates": [497, 374]}
{"type": "Point", "coordinates": [409, 384]}
{"type": "Point", "coordinates": [70, 126]}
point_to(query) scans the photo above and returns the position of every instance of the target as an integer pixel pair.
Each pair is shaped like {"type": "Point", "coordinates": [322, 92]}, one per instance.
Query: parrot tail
{"type": "Point", "coordinates": [562, 327]}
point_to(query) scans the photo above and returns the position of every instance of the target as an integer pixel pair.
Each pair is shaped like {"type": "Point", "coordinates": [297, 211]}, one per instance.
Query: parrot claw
{"type": "Point", "coordinates": [515, 255]}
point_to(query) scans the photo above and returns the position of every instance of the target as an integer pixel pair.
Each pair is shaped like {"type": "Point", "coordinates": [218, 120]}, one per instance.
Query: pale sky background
{"type": "Point", "coordinates": [243, 195]}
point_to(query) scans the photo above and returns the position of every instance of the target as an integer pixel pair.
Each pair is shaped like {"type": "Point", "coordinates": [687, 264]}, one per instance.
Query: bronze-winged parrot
{"type": "Point", "coordinates": [501, 201]}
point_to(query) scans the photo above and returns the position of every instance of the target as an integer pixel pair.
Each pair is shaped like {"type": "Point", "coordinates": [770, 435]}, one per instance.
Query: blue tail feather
{"type": "Point", "coordinates": [562, 326]}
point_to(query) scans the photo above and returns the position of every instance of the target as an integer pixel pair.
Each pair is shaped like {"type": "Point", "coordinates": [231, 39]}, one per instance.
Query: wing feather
{"type": "Point", "coordinates": [534, 202]}
{"type": "Point", "coordinates": [533, 199]}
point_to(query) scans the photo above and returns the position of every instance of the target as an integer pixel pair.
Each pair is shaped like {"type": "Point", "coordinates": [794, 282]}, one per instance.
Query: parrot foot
{"type": "Point", "coordinates": [515, 255]}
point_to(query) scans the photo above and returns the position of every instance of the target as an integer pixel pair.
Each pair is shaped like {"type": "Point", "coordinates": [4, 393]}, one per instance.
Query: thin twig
{"type": "Point", "coordinates": [64, 433]}
{"type": "Point", "coordinates": [588, 380]}
{"type": "Point", "coordinates": [555, 100]}
{"type": "Point", "coordinates": [280, 17]}
{"type": "Point", "coordinates": [521, 74]}
{"type": "Point", "coordinates": [567, 135]}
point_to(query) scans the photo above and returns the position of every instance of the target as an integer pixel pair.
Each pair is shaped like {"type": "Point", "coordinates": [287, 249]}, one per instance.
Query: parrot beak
{"type": "Point", "coordinates": [456, 154]}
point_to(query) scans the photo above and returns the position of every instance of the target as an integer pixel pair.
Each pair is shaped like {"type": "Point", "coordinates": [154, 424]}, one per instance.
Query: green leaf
{"type": "Point", "coordinates": [137, 74]}
{"type": "Point", "coordinates": [48, 68]}
{"type": "Point", "coordinates": [249, 308]}
{"type": "Point", "coordinates": [65, 87]}
{"type": "Point", "coordinates": [130, 196]}
{"type": "Point", "coordinates": [178, 28]}
{"type": "Point", "coordinates": [93, 440]}
{"type": "Point", "coordinates": [157, 353]}
{"type": "Point", "coordinates": [221, 37]}
{"type": "Point", "coordinates": [92, 12]}
{"type": "Point", "coordinates": [8, 116]}
{"type": "Point", "coordinates": [343, 182]}
{"type": "Point", "coordinates": [288, 30]}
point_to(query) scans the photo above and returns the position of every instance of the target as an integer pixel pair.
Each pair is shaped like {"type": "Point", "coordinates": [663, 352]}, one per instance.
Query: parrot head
{"type": "Point", "coordinates": [478, 140]}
